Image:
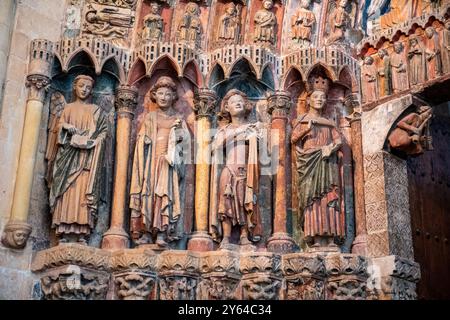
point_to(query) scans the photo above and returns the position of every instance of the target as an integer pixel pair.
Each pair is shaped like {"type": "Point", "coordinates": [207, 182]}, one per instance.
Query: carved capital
{"type": "Point", "coordinates": [38, 86]}
{"type": "Point", "coordinates": [126, 100]}
{"type": "Point", "coordinates": [134, 285]}
{"type": "Point", "coordinates": [347, 277]}
{"type": "Point", "coordinates": [15, 234]}
{"type": "Point", "coordinates": [205, 102]}
{"type": "Point", "coordinates": [178, 288]}
{"type": "Point", "coordinates": [73, 283]}
{"type": "Point", "coordinates": [305, 276]}
{"type": "Point", "coordinates": [279, 104]}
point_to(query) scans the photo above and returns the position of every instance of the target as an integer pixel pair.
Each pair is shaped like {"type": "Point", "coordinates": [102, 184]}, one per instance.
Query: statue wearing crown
{"type": "Point", "coordinates": [317, 141]}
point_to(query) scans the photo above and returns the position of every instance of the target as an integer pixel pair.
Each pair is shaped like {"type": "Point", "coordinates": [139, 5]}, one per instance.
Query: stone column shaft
{"type": "Point", "coordinates": [205, 103]}
{"type": "Point", "coordinates": [279, 105]}
{"type": "Point", "coordinates": [126, 100]}
{"type": "Point", "coordinates": [360, 242]}
{"type": "Point", "coordinates": [38, 80]}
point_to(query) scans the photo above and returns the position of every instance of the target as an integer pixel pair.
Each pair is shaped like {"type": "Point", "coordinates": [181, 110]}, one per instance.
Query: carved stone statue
{"type": "Point", "coordinates": [316, 141]}
{"type": "Point", "coordinates": [76, 182]}
{"type": "Point", "coordinates": [416, 57]}
{"type": "Point", "coordinates": [157, 180]}
{"type": "Point", "coordinates": [369, 80]}
{"type": "Point", "coordinates": [399, 68]}
{"type": "Point", "coordinates": [153, 24]}
{"type": "Point", "coordinates": [265, 23]}
{"type": "Point", "coordinates": [433, 54]}
{"type": "Point", "coordinates": [446, 46]}
{"type": "Point", "coordinates": [229, 23]}
{"type": "Point", "coordinates": [339, 22]}
{"type": "Point", "coordinates": [384, 72]}
{"type": "Point", "coordinates": [302, 23]}
{"type": "Point", "coordinates": [16, 235]}
{"type": "Point", "coordinates": [412, 133]}
{"type": "Point", "coordinates": [57, 104]}
{"type": "Point", "coordinates": [234, 180]}
{"type": "Point", "coordinates": [108, 22]}
{"type": "Point", "coordinates": [190, 27]}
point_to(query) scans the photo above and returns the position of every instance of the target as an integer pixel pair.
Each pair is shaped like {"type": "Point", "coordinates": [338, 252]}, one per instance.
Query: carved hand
{"type": "Point", "coordinates": [70, 128]}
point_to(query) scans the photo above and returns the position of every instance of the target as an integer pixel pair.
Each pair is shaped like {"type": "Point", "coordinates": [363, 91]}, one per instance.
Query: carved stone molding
{"type": "Point", "coordinates": [15, 234]}
{"type": "Point", "coordinates": [134, 285]}
{"type": "Point", "coordinates": [126, 101]}
{"type": "Point", "coordinates": [205, 102]}
{"type": "Point", "coordinates": [37, 85]}
{"type": "Point", "coordinates": [129, 4]}
{"type": "Point", "coordinates": [177, 287]}
{"type": "Point", "coordinates": [134, 259]}
{"type": "Point", "coordinates": [74, 283]}
{"type": "Point", "coordinates": [347, 277]}
{"type": "Point", "coordinates": [260, 276]}
{"type": "Point", "coordinates": [305, 276]}
{"type": "Point", "coordinates": [178, 275]}
{"type": "Point", "coordinates": [76, 254]}
{"type": "Point", "coordinates": [220, 276]}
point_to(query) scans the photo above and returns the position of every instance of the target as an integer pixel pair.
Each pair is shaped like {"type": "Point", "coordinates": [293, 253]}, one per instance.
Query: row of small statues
{"type": "Point", "coordinates": [265, 20]}
{"type": "Point", "coordinates": [426, 58]}
{"type": "Point", "coordinates": [75, 154]}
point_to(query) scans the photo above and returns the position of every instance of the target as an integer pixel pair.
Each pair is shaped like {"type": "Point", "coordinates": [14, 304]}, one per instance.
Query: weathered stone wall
{"type": "Point", "coordinates": [7, 8]}
{"type": "Point", "coordinates": [33, 20]}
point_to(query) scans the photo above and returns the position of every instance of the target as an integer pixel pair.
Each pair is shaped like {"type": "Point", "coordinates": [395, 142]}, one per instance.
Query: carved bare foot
{"type": "Point", "coordinates": [82, 241]}
{"type": "Point", "coordinates": [244, 241]}
{"type": "Point", "coordinates": [63, 240]}
{"type": "Point", "coordinates": [144, 239]}
{"type": "Point", "coordinates": [225, 241]}
{"type": "Point", "coordinates": [160, 241]}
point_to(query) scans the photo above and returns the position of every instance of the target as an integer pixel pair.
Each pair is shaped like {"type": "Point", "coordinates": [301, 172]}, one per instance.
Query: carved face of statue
{"type": "Point", "coordinates": [429, 32]}
{"type": "Point", "coordinates": [318, 100]}
{"type": "Point", "coordinates": [154, 8]}
{"type": "Point", "coordinates": [268, 4]}
{"type": "Point", "coordinates": [91, 16]}
{"type": "Point", "coordinates": [20, 237]}
{"type": "Point", "coordinates": [305, 4]}
{"type": "Point", "coordinates": [236, 106]}
{"type": "Point", "coordinates": [368, 60]}
{"type": "Point", "coordinates": [164, 97]}
{"type": "Point", "coordinates": [381, 53]}
{"type": "Point", "coordinates": [343, 3]}
{"type": "Point", "coordinates": [398, 47]}
{"type": "Point", "coordinates": [83, 88]}
{"type": "Point", "coordinates": [413, 42]}
{"type": "Point", "coordinates": [231, 9]}
{"type": "Point", "coordinates": [192, 8]}
{"type": "Point", "coordinates": [447, 24]}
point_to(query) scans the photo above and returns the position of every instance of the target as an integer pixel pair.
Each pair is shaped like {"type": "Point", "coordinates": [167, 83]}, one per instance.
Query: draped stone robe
{"type": "Point", "coordinates": [157, 180]}
{"type": "Point", "coordinates": [399, 72]}
{"type": "Point", "coordinates": [75, 188]}
{"type": "Point", "coordinates": [417, 64]}
{"type": "Point", "coordinates": [446, 50]}
{"type": "Point", "coordinates": [234, 192]}
{"type": "Point", "coordinates": [302, 31]}
{"type": "Point", "coordinates": [265, 22]}
{"type": "Point", "coordinates": [318, 179]}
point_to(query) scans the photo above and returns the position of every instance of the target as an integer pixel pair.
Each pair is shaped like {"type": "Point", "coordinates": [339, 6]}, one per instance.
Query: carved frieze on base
{"type": "Point", "coordinates": [347, 277]}
{"type": "Point", "coordinates": [74, 271]}
{"type": "Point", "coordinates": [261, 276]}
{"type": "Point", "coordinates": [305, 276]}
{"type": "Point", "coordinates": [74, 283]}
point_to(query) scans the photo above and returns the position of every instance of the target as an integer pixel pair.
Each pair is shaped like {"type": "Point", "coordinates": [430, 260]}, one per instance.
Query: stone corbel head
{"type": "Point", "coordinates": [15, 235]}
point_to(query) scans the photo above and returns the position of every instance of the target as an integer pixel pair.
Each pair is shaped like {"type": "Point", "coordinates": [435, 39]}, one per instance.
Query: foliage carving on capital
{"type": "Point", "coordinates": [205, 102]}
{"type": "Point", "coordinates": [38, 86]}
{"type": "Point", "coordinates": [126, 99]}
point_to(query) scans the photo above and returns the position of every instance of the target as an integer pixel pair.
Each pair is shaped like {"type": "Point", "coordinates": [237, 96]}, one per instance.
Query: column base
{"type": "Point", "coordinates": [115, 239]}
{"type": "Point", "coordinates": [200, 241]}
{"type": "Point", "coordinates": [281, 242]}
{"type": "Point", "coordinates": [359, 245]}
{"type": "Point", "coordinates": [15, 234]}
